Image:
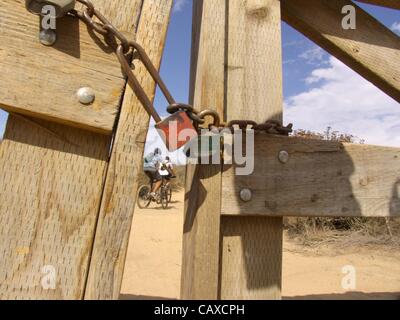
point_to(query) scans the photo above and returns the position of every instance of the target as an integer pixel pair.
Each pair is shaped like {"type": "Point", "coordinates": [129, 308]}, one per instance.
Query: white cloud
{"type": "Point", "coordinates": [345, 101]}
{"type": "Point", "coordinates": [313, 56]}
{"type": "Point", "coordinates": [179, 5]}
{"type": "Point", "coordinates": [396, 27]}
{"type": "Point", "coordinates": [294, 43]}
{"type": "Point", "coordinates": [289, 61]}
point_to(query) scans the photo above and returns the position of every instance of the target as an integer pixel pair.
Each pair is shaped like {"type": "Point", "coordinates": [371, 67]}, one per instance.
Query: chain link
{"type": "Point", "coordinates": [128, 49]}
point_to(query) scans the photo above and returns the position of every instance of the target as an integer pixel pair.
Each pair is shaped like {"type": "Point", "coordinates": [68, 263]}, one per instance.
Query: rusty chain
{"type": "Point", "coordinates": [126, 50]}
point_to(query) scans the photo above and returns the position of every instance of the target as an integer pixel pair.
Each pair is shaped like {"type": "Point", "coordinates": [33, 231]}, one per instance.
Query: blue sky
{"type": "Point", "coordinates": [319, 91]}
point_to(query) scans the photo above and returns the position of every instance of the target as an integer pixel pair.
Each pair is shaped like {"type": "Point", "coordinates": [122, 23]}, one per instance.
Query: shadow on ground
{"type": "Point", "coordinates": [350, 296]}
{"type": "Point", "coordinates": [338, 296]}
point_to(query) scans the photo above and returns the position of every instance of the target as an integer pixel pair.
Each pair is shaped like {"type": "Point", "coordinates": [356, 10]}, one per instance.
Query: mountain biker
{"type": "Point", "coordinates": [151, 168]}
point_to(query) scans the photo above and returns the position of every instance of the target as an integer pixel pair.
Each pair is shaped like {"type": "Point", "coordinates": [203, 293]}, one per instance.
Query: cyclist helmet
{"type": "Point", "coordinates": [158, 151]}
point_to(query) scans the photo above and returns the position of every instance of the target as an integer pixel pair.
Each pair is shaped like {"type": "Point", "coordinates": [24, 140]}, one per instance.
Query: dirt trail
{"type": "Point", "coordinates": [154, 264]}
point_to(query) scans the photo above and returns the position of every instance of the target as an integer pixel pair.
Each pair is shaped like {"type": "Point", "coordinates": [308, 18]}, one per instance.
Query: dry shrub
{"type": "Point", "coordinates": [329, 135]}
{"type": "Point", "coordinates": [315, 231]}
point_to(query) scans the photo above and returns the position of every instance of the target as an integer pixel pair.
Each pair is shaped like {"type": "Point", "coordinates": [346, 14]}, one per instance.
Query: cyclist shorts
{"type": "Point", "coordinates": [153, 175]}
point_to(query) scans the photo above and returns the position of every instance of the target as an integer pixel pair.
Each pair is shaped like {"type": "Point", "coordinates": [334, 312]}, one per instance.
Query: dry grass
{"type": "Point", "coordinates": [344, 231]}
{"type": "Point", "coordinates": [329, 135]}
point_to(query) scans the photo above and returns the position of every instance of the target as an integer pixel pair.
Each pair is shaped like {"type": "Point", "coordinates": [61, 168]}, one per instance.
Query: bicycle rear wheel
{"type": "Point", "coordinates": [143, 197]}
{"type": "Point", "coordinates": [164, 198]}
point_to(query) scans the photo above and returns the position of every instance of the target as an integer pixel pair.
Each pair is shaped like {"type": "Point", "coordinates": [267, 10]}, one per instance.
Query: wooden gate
{"type": "Point", "coordinates": [69, 171]}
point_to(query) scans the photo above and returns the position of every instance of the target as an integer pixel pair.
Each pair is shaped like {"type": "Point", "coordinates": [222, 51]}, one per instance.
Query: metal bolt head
{"type": "Point", "coordinates": [86, 95]}
{"type": "Point", "coordinates": [47, 37]}
{"type": "Point", "coordinates": [283, 156]}
{"type": "Point", "coordinates": [246, 195]}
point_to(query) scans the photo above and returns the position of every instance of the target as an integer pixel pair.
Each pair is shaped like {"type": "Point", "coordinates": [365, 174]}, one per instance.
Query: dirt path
{"type": "Point", "coordinates": [154, 261]}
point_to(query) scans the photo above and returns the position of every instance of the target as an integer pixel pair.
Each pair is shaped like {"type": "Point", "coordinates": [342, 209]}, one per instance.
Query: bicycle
{"type": "Point", "coordinates": [163, 196]}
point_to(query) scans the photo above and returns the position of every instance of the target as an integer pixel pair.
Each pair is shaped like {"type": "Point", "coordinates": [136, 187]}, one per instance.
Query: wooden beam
{"type": "Point", "coordinates": [42, 81]}
{"type": "Point", "coordinates": [251, 265]}
{"type": "Point", "coordinates": [126, 164]}
{"type": "Point", "coordinates": [52, 178]}
{"type": "Point", "coordinates": [371, 49]}
{"type": "Point", "coordinates": [251, 258]}
{"type": "Point", "coordinates": [321, 179]}
{"type": "Point", "coordinates": [230, 258]}
{"type": "Point", "coordinates": [201, 235]}
{"type": "Point", "coordinates": [394, 4]}
{"type": "Point", "coordinates": [254, 72]}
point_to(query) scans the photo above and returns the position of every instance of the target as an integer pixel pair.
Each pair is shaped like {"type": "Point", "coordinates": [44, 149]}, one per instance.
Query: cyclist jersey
{"type": "Point", "coordinates": [151, 162]}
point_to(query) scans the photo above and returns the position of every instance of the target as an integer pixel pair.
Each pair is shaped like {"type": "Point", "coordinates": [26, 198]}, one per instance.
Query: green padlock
{"type": "Point", "coordinates": [204, 148]}
{"type": "Point", "coordinates": [62, 7]}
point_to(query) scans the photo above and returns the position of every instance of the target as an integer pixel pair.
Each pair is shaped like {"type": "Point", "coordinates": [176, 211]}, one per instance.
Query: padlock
{"type": "Point", "coordinates": [62, 7]}
{"type": "Point", "coordinates": [176, 130]}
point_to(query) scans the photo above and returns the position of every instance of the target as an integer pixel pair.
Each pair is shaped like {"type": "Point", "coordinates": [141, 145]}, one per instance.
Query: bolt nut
{"type": "Point", "coordinates": [283, 156]}
{"type": "Point", "coordinates": [47, 37]}
{"type": "Point", "coordinates": [246, 195]}
{"type": "Point", "coordinates": [86, 95]}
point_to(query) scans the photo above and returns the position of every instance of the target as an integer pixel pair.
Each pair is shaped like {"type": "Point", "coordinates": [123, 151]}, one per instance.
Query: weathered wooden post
{"type": "Point", "coordinates": [66, 206]}
{"type": "Point", "coordinates": [236, 68]}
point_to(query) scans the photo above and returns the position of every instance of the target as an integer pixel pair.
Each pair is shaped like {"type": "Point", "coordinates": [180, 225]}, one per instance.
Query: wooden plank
{"type": "Point", "coordinates": [42, 81]}
{"type": "Point", "coordinates": [252, 261]}
{"type": "Point", "coordinates": [117, 207]}
{"type": "Point", "coordinates": [394, 4]}
{"type": "Point", "coordinates": [248, 246]}
{"type": "Point", "coordinates": [254, 71]}
{"type": "Point", "coordinates": [371, 49]}
{"type": "Point", "coordinates": [48, 207]}
{"type": "Point", "coordinates": [201, 238]}
{"type": "Point", "coordinates": [52, 177]}
{"type": "Point", "coordinates": [321, 178]}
